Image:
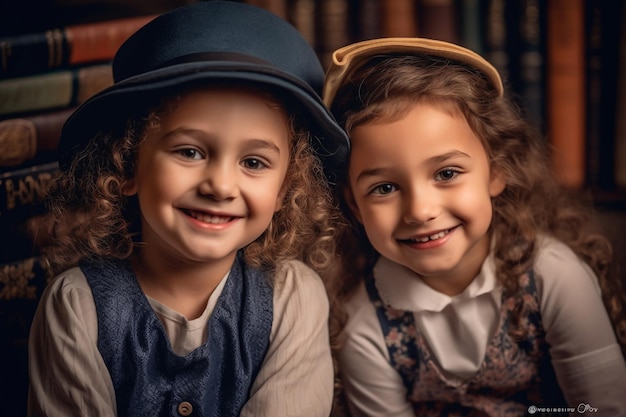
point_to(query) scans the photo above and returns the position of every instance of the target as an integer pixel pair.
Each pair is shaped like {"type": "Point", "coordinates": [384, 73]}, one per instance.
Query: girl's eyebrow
{"type": "Point", "coordinates": [437, 159]}
{"type": "Point", "coordinates": [370, 173]}
{"type": "Point", "coordinates": [263, 144]}
{"type": "Point", "coordinates": [448, 155]}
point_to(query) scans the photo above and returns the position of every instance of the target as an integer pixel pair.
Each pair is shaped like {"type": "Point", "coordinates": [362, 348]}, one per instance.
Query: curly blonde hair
{"type": "Point", "coordinates": [92, 218]}
{"type": "Point", "coordinates": [533, 202]}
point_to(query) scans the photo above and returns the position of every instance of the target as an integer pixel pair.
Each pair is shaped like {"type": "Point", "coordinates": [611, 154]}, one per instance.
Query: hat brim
{"type": "Point", "coordinates": [347, 59]}
{"type": "Point", "coordinates": [136, 94]}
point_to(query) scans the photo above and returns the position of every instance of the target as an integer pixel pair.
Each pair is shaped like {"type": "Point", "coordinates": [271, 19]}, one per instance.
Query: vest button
{"type": "Point", "coordinates": [185, 408]}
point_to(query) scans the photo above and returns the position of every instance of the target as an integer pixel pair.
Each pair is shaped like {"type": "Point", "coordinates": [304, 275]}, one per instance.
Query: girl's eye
{"type": "Point", "coordinates": [190, 153]}
{"type": "Point", "coordinates": [447, 174]}
{"type": "Point", "coordinates": [253, 163]}
{"type": "Point", "coordinates": [384, 189]}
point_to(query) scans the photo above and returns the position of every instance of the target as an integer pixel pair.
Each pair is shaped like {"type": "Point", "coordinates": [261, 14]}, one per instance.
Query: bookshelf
{"type": "Point", "coordinates": [514, 35]}
{"type": "Point", "coordinates": [36, 97]}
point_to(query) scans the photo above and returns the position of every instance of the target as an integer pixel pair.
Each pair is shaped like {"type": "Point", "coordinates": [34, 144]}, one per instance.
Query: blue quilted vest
{"type": "Point", "coordinates": [148, 377]}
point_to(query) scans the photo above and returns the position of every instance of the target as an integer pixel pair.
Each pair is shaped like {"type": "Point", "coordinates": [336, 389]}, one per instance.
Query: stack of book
{"type": "Point", "coordinates": [43, 77]}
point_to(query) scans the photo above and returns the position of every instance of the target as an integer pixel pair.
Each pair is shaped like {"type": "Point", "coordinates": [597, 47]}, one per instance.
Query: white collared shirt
{"type": "Point", "coordinates": [585, 355]}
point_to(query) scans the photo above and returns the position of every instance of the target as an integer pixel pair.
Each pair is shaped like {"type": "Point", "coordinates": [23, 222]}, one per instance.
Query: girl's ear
{"type": "Point", "coordinates": [349, 198]}
{"type": "Point", "coordinates": [129, 187]}
{"type": "Point", "coordinates": [497, 182]}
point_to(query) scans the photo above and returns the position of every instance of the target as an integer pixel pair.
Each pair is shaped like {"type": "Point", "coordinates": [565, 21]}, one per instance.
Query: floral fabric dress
{"type": "Point", "coordinates": [514, 374]}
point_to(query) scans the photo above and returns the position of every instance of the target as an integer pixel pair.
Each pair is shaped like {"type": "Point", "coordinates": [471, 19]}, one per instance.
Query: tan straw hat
{"type": "Point", "coordinates": [347, 59]}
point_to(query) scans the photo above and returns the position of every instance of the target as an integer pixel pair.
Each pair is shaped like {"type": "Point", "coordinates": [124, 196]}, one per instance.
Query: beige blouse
{"type": "Point", "coordinates": [69, 378]}
{"type": "Point", "coordinates": [585, 355]}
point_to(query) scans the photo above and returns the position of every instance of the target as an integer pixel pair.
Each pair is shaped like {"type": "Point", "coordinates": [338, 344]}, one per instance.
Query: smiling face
{"type": "Point", "coordinates": [422, 188]}
{"type": "Point", "coordinates": [209, 178]}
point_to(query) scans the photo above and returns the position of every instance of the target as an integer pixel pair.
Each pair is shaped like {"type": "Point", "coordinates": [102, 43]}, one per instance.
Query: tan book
{"type": "Point", "coordinates": [22, 138]}
{"type": "Point", "coordinates": [53, 90]}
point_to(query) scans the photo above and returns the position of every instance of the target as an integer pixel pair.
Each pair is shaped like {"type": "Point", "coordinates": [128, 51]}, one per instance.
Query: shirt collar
{"type": "Point", "coordinates": [402, 289]}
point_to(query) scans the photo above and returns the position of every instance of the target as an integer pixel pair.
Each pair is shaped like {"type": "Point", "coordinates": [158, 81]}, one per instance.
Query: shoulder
{"type": "Point", "coordinates": [564, 284]}
{"type": "Point", "coordinates": [557, 267]}
{"type": "Point", "coordinates": [297, 286]}
{"type": "Point", "coordinates": [358, 306]}
{"type": "Point", "coordinates": [362, 329]}
{"type": "Point", "coordinates": [301, 307]}
{"type": "Point", "coordinates": [294, 275]}
{"type": "Point", "coordinates": [66, 304]}
{"type": "Point", "coordinates": [552, 250]}
{"type": "Point", "coordinates": [69, 284]}
{"type": "Point", "coordinates": [68, 291]}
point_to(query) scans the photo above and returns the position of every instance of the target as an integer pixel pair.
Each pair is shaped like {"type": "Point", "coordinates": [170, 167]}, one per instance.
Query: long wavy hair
{"type": "Point", "coordinates": [91, 217]}
{"type": "Point", "coordinates": [533, 203]}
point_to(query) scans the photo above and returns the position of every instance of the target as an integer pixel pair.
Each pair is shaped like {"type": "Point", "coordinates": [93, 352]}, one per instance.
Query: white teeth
{"type": "Point", "coordinates": [431, 237]}
{"type": "Point", "coordinates": [207, 218]}
{"type": "Point", "coordinates": [437, 235]}
{"type": "Point", "coordinates": [215, 219]}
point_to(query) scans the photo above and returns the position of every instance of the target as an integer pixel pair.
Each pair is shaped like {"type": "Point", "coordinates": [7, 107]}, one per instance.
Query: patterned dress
{"type": "Point", "coordinates": [513, 376]}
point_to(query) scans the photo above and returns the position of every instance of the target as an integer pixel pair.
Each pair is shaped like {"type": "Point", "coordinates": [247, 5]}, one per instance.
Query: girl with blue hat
{"type": "Point", "coordinates": [192, 224]}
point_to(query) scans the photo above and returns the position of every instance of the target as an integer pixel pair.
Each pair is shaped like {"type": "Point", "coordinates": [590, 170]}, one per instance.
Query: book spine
{"type": "Point", "coordinates": [22, 138]}
{"type": "Point", "coordinates": [22, 191]}
{"type": "Point", "coordinates": [612, 24]}
{"type": "Point", "coordinates": [566, 89]}
{"type": "Point", "coordinates": [438, 20]}
{"type": "Point", "coordinates": [593, 39]}
{"type": "Point", "coordinates": [93, 42]}
{"type": "Point", "coordinates": [496, 40]}
{"type": "Point", "coordinates": [398, 18]}
{"type": "Point", "coordinates": [366, 19]}
{"type": "Point", "coordinates": [278, 7]}
{"type": "Point", "coordinates": [332, 28]}
{"type": "Point", "coordinates": [302, 16]}
{"type": "Point", "coordinates": [471, 25]}
{"type": "Point", "coordinates": [54, 90]}
{"type": "Point", "coordinates": [24, 279]}
{"type": "Point", "coordinates": [531, 63]}
{"type": "Point", "coordinates": [620, 119]}
{"type": "Point", "coordinates": [21, 286]}
{"type": "Point", "coordinates": [33, 53]}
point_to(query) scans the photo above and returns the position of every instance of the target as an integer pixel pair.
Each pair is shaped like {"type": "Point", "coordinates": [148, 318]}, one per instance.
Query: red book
{"type": "Point", "coordinates": [398, 18]}
{"type": "Point", "coordinates": [566, 89]}
{"type": "Point", "coordinates": [64, 47]}
{"type": "Point", "coordinates": [438, 20]}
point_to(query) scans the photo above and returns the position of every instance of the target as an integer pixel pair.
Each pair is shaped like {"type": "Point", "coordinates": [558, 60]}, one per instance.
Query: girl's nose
{"type": "Point", "coordinates": [421, 205]}
{"type": "Point", "coordinates": [219, 182]}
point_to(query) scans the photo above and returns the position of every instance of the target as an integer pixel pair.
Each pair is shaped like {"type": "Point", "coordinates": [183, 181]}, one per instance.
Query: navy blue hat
{"type": "Point", "coordinates": [214, 40]}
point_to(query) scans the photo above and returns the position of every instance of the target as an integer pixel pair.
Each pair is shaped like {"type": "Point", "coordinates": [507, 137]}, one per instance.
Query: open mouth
{"type": "Point", "coordinates": [209, 218]}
